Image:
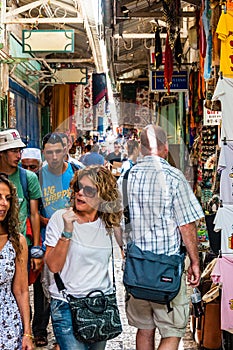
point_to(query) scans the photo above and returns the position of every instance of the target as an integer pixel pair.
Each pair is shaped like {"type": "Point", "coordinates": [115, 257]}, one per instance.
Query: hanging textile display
{"type": "Point", "coordinates": [178, 51]}
{"type": "Point", "coordinates": [87, 118]}
{"type": "Point", "coordinates": [78, 105]}
{"type": "Point", "coordinates": [206, 16]}
{"type": "Point", "coordinates": [224, 93]}
{"type": "Point", "coordinates": [215, 15]}
{"type": "Point", "coordinates": [142, 111]}
{"type": "Point", "coordinates": [99, 87]}
{"type": "Point", "coordinates": [158, 49]}
{"type": "Point", "coordinates": [168, 65]}
{"type": "Point", "coordinates": [60, 107]}
{"type": "Point", "coordinates": [225, 34]}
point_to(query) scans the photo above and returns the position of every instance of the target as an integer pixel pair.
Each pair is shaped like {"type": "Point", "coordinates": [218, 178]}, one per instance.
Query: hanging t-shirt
{"type": "Point", "coordinates": [225, 34]}
{"type": "Point", "coordinates": [224, 93]}
{"type": "Point", "coordinates": [220, 274]}
{"type": "Point", "coordinates": [225, 166]}
{"type": "Point", "coordinates": [224, 221]}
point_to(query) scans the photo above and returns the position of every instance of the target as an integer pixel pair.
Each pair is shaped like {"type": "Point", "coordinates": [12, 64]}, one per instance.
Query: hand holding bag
{"type": "Point", "coordinates": [95, 317]}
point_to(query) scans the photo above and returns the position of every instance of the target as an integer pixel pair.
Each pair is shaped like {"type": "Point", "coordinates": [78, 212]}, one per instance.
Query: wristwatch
{"type": "Point", "coordinates": [67, 234]}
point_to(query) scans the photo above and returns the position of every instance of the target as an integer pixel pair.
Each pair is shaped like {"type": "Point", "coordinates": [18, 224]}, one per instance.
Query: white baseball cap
{"type": "Point", "coordinates": [31, 153]}
{"type": "Point", "coordinates": [10, 139]}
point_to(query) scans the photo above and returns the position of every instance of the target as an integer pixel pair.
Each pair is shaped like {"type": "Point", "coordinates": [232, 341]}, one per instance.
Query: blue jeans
{"type": "Point", "coordinates": [63, 329]}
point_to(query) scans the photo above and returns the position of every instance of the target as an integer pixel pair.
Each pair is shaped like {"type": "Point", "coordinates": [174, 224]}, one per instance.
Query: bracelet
{"type": "Point", "coordinates": [28, 335]}
{"type": "Point", "coordinates": [67, 234]}
{"type": "Point", "coordinates": [36, 252]}
{"type": "Point", "coordinates": [64, 239]}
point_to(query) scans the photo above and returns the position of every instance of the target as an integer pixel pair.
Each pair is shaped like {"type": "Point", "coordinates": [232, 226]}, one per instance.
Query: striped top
{"type": "Point", "coordinates": [160, 200]}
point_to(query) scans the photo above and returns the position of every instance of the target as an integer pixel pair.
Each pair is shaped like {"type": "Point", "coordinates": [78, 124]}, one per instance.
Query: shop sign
{"type": "Point", "coordinates": [48, 40]}
{"type": "Point", "coordinates": [179, 81]}
{"type": "Point", "coordinates": [211, 117]}
{"type": "Point", "coordinates": [72, 75]}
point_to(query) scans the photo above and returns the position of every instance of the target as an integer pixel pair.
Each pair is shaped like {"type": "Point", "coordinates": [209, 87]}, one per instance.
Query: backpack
{"type": "Point", "coordinates": [74, 167]}
{"type": "Point", "coordinates": [24, 182]}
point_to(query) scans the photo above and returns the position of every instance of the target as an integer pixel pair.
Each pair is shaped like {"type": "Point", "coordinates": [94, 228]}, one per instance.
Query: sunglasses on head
{"type": "Point", "coordinates": [88, 191]}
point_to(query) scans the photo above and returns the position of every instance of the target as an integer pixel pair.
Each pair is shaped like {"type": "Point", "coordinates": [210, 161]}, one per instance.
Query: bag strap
{"type": "Point", "coordinates": [128, 226]}
{"type": "Point", "coordinates": [62, 288]}
{"type": "Point", "coordinates": [74, 166]}
{"type": "Point", "coordinates": [24, 182]}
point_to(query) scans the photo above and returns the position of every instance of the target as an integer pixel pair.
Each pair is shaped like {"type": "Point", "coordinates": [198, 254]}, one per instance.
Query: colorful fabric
{"type": "Point", "coordinates": [225, 34]}
{"type": "Point", "coordinates": [220, 274]}
{"type": "Point", "coordinates": [168, 66]}
{"type": "Point", "coordinates": [208, 34]}
{"type": "Point", "coordinates": [99, 87]}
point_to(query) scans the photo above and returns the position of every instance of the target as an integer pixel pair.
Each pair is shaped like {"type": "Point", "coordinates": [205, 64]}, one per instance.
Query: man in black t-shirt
{"type": "Point", "coordinates": [116, 155]}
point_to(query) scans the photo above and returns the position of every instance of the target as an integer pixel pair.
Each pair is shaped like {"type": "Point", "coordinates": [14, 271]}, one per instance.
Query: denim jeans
{"type": "Point", "coordinates": [63, 329]}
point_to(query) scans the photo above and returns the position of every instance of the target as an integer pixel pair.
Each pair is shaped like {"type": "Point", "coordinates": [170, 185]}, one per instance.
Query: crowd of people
{"type": "Point", "coordinates": [56, 215]}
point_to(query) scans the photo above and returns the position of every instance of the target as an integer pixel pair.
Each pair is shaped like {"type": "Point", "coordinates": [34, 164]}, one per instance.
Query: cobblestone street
{"type": "Point", "coordinates": [126, 340]}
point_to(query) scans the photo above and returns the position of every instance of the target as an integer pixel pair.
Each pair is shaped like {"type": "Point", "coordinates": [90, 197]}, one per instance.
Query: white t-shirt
{"type": "Point", "coordinates": [225, 165]}
{"type": "Point", "coordinates": [87, 263]}
{"type": "Point", "coordinates": [224, 221]}
{"type": "Point", "coordinates": [224, 93]}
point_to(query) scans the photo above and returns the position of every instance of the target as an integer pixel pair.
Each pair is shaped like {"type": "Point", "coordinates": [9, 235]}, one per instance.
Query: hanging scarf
{"type": "Point", "coordinates": [168, 65]}
{"type": "Point", "coordinates": [158, 49]}
{"type": "Point", "coordinates": [178, 51]}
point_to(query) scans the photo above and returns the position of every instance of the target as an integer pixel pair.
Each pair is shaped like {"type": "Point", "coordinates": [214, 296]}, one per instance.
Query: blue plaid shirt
{"type": "Point", "coordinates": [160, 200]}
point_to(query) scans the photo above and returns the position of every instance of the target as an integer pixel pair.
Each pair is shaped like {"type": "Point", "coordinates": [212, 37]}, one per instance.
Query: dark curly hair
{"type": "Point", "coordinates": [110, 208]}
{"type": "Point", "coordinates": [11, 221]}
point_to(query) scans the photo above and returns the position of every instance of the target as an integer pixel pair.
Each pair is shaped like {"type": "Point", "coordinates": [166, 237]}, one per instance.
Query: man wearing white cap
{"type": "Point", "coordinates": [11, 147]}
{"type": "Point", "coordinates": [31, 159]}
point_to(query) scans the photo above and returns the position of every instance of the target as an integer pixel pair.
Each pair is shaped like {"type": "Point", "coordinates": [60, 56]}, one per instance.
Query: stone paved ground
{"type": "Point", "coordinates": [126, 340]}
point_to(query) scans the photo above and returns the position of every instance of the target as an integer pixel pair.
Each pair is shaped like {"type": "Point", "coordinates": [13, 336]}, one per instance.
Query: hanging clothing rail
{"type": "Point", "coordinates": [225, 140]}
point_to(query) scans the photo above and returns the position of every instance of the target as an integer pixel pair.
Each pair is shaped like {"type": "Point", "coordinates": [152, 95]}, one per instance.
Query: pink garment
{"type": "Point", "coordinates": [222, 273]}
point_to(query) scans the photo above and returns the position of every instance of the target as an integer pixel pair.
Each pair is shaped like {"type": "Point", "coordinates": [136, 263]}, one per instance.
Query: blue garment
{"type": "Point", "coordinates": [55, 192]}
{"type": "Point", "coordinates": [63, 329]}
{"type": "Point", "coordinates": [93, 158]}
{"type": "Point", "coordinates": [206, 18]}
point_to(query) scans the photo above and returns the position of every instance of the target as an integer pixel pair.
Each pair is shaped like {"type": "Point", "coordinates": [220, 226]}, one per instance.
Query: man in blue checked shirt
{"type": "Point", "coordinates": [163, 211]}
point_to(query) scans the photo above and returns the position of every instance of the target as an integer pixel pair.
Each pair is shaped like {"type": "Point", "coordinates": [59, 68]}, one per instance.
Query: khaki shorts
{"type": "Point", "coordinates": [144, 314]}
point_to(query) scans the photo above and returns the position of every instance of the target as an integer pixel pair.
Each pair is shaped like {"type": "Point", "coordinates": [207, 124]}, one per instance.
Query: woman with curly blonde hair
{"type": "Point", "coordinates": [79, 247]}
{"type": "Point", "coordinates": [14, 297]}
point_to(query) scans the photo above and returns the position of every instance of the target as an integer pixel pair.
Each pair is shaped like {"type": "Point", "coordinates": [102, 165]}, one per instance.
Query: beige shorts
{"type": "Point", "coordinates": [144, 314]}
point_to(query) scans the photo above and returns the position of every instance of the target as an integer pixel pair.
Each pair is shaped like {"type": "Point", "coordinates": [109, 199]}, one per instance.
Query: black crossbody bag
{"type": "Point", "coordinates": [95, 317]}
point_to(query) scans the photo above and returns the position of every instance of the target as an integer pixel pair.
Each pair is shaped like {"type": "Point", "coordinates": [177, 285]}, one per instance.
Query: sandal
{"type": "Point", "coordinates": [40, 341]}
